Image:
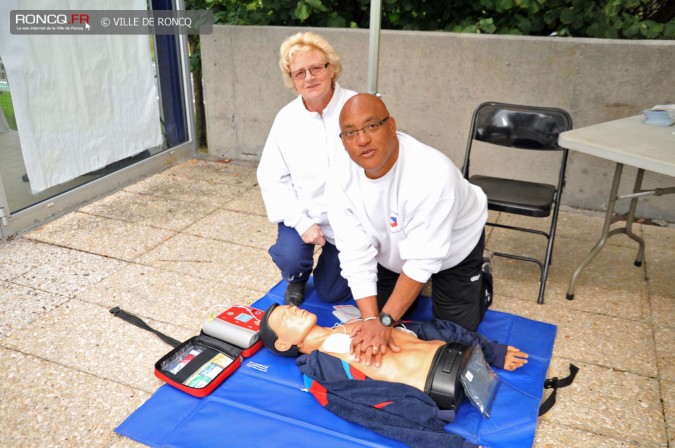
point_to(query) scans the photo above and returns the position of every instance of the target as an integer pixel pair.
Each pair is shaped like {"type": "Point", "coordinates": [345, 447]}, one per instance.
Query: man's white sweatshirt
{"type": "Point", "coordinates": [420, 218]}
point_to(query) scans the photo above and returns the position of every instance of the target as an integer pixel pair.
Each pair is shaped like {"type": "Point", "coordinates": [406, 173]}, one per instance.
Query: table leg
{"type": "Point", "coordinates": [631, 217]}
{"type": "Point", "coordinates": [605, 231]}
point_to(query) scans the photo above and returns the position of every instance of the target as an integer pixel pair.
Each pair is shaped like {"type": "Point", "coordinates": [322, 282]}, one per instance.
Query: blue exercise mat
{"type": "Point", "coordinates": [263, 403]}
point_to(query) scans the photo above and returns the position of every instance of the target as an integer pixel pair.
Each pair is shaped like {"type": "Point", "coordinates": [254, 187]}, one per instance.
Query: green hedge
{"type": "Point", "coordinates": [614, 19]}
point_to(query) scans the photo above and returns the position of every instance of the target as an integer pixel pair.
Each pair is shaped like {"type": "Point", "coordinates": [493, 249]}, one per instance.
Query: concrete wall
{"type": "Point", "coordinates": [432, 81]}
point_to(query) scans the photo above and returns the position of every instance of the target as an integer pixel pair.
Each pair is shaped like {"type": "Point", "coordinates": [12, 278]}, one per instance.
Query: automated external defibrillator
{"type": "Point", "coordinates": [200, 364]}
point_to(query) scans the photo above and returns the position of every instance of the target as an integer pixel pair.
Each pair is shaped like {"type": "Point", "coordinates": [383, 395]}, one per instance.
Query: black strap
{"type": "Point", "coordinates": [555, 384]}
{"type": "Point", "coordinates": [137, 321]}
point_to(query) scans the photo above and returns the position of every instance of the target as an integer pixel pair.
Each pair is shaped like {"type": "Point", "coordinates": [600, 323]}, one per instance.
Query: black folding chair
{"type": "Point", "coordinates": [528, 128]}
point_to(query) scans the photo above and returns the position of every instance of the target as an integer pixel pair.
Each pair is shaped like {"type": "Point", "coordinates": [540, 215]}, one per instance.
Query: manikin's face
{"type": "Point", "coordinates": [291, 323]}
{"type": "Point", "coordinates": [313, 88]}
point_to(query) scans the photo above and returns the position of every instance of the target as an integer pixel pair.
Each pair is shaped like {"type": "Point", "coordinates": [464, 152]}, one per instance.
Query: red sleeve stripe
{"type": "Point", "coordinates": [319, 392]}
{"type": "Point", "coordinates": [356, 373]}
{"type": "Point", "coordinates": [383, 404]}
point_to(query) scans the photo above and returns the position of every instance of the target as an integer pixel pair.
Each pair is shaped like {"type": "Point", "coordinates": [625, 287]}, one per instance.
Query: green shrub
{"type": "Point", "coordinates": [614, 19]}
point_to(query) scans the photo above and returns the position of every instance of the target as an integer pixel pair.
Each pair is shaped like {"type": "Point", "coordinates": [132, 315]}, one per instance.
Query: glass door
{"type": "Point", "coordinates": [22, 209]}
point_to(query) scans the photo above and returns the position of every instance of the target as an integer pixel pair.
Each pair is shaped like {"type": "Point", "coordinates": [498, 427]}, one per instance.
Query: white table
{"type": "Point", "coordinates": [628, 141]}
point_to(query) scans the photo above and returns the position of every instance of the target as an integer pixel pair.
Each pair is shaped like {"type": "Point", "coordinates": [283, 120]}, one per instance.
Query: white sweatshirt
{"type": "Point", "coordinates": [420, 218]}
{"type": "Point", "coordinates": [300, 148]}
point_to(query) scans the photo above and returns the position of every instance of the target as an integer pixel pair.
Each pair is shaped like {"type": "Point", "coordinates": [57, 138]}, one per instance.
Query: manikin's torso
{"type": "Point", "coordinates": [409, 366]}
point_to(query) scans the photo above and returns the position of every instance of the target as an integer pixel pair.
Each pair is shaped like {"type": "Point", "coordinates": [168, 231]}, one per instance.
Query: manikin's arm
{"type": "Point", "coordinates": [496, 354]}
{"type": "Point", "coordinates": [514, 358]}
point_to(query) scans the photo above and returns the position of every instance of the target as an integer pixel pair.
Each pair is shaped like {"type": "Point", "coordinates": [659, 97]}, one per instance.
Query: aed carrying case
{"type": "Point", "coordinates": [200, 364]}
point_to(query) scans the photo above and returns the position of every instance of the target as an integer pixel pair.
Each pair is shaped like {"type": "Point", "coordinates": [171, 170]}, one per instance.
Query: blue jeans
{"type": "Point", "coordinates": [295, 259]}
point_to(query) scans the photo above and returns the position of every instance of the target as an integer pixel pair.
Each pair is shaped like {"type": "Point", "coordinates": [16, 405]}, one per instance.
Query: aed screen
{"type": "Point", "coordinates": [243, 317]}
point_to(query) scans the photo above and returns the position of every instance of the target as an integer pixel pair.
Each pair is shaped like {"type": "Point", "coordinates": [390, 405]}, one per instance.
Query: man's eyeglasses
{"type": "Point", "coordinates": [315, 70]}
{"type": "Point", "coordinates": [369, 129]}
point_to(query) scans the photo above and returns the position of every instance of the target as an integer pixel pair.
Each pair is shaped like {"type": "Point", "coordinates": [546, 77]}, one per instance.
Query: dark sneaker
{"type": "Point", "coordinates": [295, 293]}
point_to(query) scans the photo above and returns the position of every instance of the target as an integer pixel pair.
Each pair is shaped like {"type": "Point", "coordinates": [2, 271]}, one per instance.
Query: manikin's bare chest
{"type": "Point", "coordinates": [409, 366]}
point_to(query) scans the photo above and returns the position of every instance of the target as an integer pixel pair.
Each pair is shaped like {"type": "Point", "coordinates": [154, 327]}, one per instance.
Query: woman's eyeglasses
{"type": "Point", "coordinates": [315, 70]}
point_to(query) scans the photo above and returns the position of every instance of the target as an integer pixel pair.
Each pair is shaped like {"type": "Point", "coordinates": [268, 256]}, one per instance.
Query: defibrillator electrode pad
{"type": "Point", "coordinates": [337, 343]}
{"type": "Point", "coordinates": [480, 382]}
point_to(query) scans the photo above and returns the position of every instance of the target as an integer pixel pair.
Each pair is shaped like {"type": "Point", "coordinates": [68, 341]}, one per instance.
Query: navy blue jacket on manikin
{"type": "Point", "coordinates": [394, 410]}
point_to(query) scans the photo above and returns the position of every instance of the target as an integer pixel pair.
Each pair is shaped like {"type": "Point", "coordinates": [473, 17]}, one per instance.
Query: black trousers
{"type": "Point", "coordinates": [460, 294]}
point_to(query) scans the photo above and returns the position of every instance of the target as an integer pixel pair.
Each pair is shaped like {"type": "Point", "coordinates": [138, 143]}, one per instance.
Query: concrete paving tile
{"type": "Point", "coordinates": [605, 286]}
{"type": "Point", "coordinates": [236, 227]}
{"type": "Point", "coordinates": [663, 311]}
{"type": "Point", "coordinates": [87, 338]}
{"type": "Point", "coordinates": [492, 217]}
{"type": "Point", "coordinates": [165, 296]}
{"type": "Point", "coordinates": [102, 236]}
{"type": "Point", "coordinates": [577, 224]}
{"type": "Point", "coordinates": [610, 403]}
{"type": "Point", "coordinates": [21, 255]}
{"type": "Point", "coordinates": [124, 442]}
{"type": "Point", "coordinates": [668, 397]}
{"type": "Point", "coordinates": [550, 435]}
{"type": "Point", "coordinates": [520, 280]}
{"type": "Point", "coordinates": [665, 341]}
{"type": "Point", "coordinates": [20, 306]}
{"type": "Point", "coordinates": [218, 171]}
{"type": "Point", "coordinates": [617, 343]}
{"type": "Point", "coordinates": [156, 211]}
{"type": "Point", "coordinates": [610, 268]}
{"type": "Point", "coordinates": [187, 190]}
{"type": "Point", "coordinates": [45, 404]}
{"type": "Point", "coordinates": [587, 225]}
{"type": "Point", "coordinates": [523, 306]}
{"type": "Point", "coordinates": [235, 265]}
{"type": "Point", "coordinates": [660, 239]}
{"type": "Point", "coordinates": [660, 267]}
{"type": "Point", "coordinates": [619, 303]}
{"type": "Point", "coordinates": [249, 201]}
{"type": "Point", "coordinates": [614, 266]}
{"type": "Point", "coordinates": [69, 272]}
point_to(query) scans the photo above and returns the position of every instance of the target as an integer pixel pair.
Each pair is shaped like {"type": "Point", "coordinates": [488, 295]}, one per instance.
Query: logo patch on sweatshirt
{"type": "Point", "coordinates": [394, 225]}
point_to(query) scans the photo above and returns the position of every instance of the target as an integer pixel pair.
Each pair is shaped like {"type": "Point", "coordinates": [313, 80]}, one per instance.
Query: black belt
{"type": "Point", "coordinates": [443, 383]}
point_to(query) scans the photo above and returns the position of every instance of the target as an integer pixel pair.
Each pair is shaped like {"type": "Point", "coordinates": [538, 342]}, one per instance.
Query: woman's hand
{"type": "Point", "coordinates": [313, 235]}
{"type": "Point", "coordinates": [371, 339]}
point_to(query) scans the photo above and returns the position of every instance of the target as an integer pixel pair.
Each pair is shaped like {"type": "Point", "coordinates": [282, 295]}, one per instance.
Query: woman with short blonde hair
{"type": "Point", "coordinates": [302, 42]}
{"type": "Point", "coordinates": [301, 149]}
